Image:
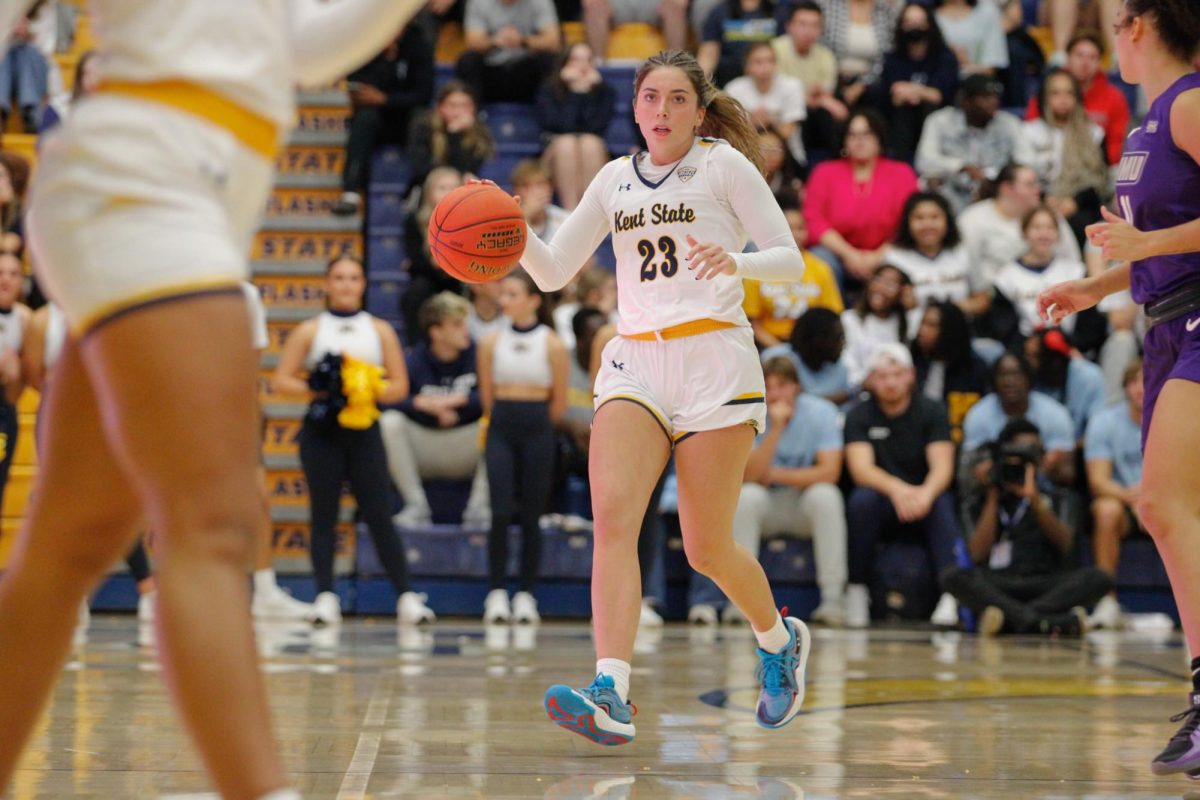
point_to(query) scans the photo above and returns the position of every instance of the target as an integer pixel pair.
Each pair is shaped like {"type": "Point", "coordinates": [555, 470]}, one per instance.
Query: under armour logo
{"type": "Point", "coordinates": [620, 366]}
{"type": "Point", "coordinates": [625, 187]}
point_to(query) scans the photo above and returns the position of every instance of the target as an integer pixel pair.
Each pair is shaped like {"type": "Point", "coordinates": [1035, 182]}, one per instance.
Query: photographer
{"type": "Point", "coordinates": [1021, 582]}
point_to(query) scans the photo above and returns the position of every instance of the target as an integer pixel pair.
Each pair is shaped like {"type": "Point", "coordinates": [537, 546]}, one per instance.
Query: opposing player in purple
{"type": "Point", "coordinates": [1157, 234]}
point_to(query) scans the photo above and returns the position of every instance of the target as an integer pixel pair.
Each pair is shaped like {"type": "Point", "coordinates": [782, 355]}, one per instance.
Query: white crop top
{"type": "Point", "coordinates": [354, 336]}
{"type": "Point", "coordinates": [522, 357]}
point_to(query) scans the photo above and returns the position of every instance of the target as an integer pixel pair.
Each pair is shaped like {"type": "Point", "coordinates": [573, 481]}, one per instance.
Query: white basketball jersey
{"type": "Point", "coordinates": [240, 50]}
{"type": "Point", "coordinates": [652, 211]}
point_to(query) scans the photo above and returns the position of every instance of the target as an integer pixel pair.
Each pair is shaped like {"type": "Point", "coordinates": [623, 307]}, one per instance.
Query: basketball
{"type": "Point", "coordinates": [477, 233]}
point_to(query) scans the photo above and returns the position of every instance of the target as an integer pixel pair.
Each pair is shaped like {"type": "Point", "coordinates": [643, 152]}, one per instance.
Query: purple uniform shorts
{"type": "Point", "coordinates": [1171, 350]}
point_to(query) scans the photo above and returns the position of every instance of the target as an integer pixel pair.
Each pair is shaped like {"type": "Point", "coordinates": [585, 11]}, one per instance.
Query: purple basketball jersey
{"type": "Point", "coordinates": [1158, 186]}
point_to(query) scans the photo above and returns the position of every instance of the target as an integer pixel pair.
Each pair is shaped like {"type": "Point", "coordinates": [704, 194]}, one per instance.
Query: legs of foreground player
{"type": "Point", "coordinates": [173, 387]}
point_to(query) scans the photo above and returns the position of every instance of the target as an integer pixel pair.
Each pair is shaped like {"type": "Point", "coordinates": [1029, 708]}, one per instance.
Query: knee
{"type": "Point", "coordinates": [1161, 515]}
{"type": "Point", "coordinates": [753, 498]}
{"type": "Point", "coordinates": [600, 8]}
{"type": "Point", "coordinates": [864, 501]}
{"type": "Point", "coordinates": [826, 499]}
{"type": "Point", "coordinates": [1107, 513]}
{"type": "Point", "coordinates": [674, 9]}
{"type": "Point", "coordinates": [705, 558]}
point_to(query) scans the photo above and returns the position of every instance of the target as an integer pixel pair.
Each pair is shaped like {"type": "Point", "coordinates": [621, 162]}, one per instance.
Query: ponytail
{"type": "Point", "coordinates": [725, 118]}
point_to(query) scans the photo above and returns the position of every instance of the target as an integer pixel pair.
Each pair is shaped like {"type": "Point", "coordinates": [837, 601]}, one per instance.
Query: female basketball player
{"type": "Point", "coordinates": [1158, 232]}
{"type": "Point", "coordinates": [144, 205]}
{"type": "Point", "coordinates": [331, 453]}
{"type": "Point", "coordinates": [683, 374]}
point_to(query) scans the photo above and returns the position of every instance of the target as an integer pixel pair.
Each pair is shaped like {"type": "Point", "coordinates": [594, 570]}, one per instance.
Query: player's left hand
{"type": "Point", "coordinates": [1119, 240]}
{"type": "Point", "coordinates": [707, 260]}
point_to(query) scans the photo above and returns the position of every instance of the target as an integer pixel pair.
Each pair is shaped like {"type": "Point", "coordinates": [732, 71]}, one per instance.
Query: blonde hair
{"type": "Point", "coordinates": [724, 117]}
{"type": "Point", "coordinates": [425, 209]}
{"type": "Point", "coordinates": [441, 307]}
{"type": "Point", "coordinates": [528, 170]}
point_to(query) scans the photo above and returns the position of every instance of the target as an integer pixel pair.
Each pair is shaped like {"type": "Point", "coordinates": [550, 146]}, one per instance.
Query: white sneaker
{"type": "Point", "coordinates": [146, 606]}
{"type": "Point", "coordinates": [702, 614]}
{"type": "Point", "coordinates": [649, 618]}
{"type": "Point", "coordinates": [278, 604]}
{"type": "Point", "coordinates": [831, 612]}
{"type": "Point", "coordinates": [413, 516]}
{"type": "Point", "coordinates": [496, 607]}
{"type": "Point", "coordinates": [732, 615]}
{"type": "Point", "coordinates": [1107, 614]}
{"type": "Point", "coordinates": [946, 613]}
{"type": "Point", "coordinates": [411, 609]}
{"type": "Point", "coordinates": [477, 516]}
{"type": "Point", "coordinates": [858, 606]}
{"type": "Point", "coordinates": [326, 610]}
{"type": "Point", "coordinates": [524, 609]}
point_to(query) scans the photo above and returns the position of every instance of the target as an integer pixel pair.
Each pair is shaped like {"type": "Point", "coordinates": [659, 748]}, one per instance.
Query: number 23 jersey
{"type": "Point", "coordinates": [651, 210]}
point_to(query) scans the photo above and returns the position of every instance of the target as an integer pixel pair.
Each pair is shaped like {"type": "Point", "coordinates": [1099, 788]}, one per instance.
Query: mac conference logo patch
{"type": "Point", "coordinates": [685, 174]}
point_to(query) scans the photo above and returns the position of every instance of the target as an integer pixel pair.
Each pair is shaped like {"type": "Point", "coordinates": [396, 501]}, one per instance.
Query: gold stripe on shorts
{"type": "Point", "coordinates": [659, 418]}
{"type": "Point", "coordinates": [250, 128]}
{"type": "Point", "coordinates": [747, 399]}
{"type": "Point", "coordinates": [176, 291]}
{"type": "Point", "coordinates": [684, 329]}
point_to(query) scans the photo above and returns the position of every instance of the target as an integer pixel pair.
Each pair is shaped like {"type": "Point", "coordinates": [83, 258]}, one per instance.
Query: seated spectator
{"type": "Point", "coordinates": [1021, 580]}
{"type": "Point", "coordinates": [433, 434]}
{"type": "Point", "coordinates": [1061, 373]}
{"type": "Point", "coordinates": [531, 182]}
{"type": "Point", "coordinates": [780, 170]}
{"type": "Point", "coordinates": [879, 317]}
{"type": "Point", "coordinates": [728, 32]}
{"type": "Point", "coordinates": [859, 32]}
{"type": "Point", "coordinates": [1068, 153]}
{"type": "Point", "coordinates": [450, 135]}
{"type": "Point", "coordinates": [963, 146]}
{"type": "Point", "coordinates": [791, 489]}
{"type": "Point", "coordinates": [1063, 17]}
{"type": "Point", "coordinates": [384, 93]}
{"type": "Point", "coordinates": [1112, 452]}
{"type": "Point", "coordinates": [1013, 398]}
{"type": "Point", "coordinates": [853, 203]}
{"type": "Point", "coordinates": [575, 426]}
{"type": "Point", "coordinates": [800, 54]}
{"type": "Point", "coordinates": [815, 350]}
{"type": "Point", "coordinates": [774, 307]}
{"type": "Point", "coordinates": [1105, 104]}
{"type": "Point", "coordinates": [948, 370]}
{"type": "Point", "coordinates": [24, 76]}
{"type": "Point", "coordinates": [920, 75]}
{"type": "Point", "coordinates": [1037, 269]}
{"type": "Point", "coordinates": [774, 100]}
{"type": "Point", "coordinates": [510, 46]}
{"type": "Point", "coordinates": [425, 278]}
{"type": "Point", "coordinates": [593, 287]}
{"type": "Point", "coordinates": [901, 458]}
{"type": "Point", "coordinates": [991, 228]}
{"type": "Point", "coordinates": [574, 108]}
{"type": "Point", "coordinates": [975, 32]}
{"type": "Point", "coordinates": [929, 251]}
{"type": "Point", "coordinates": [601, 16]}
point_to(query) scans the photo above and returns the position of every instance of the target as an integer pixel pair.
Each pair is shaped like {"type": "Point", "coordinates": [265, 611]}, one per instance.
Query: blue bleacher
{"type": "Point", "coordinates": [385, 250]}
{"type": "Point", "coordinates": [515, 128]}
{"type": "Point", "coordinates": [385, 206]}
{"type": "Point", "coordinates": [384, 290]}
{"type": "Point", "coordinates": [389, 165]}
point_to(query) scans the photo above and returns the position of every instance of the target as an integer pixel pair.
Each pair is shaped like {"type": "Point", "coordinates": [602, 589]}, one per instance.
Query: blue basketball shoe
{"type": "Point", "coordinates": [596, 712]}
{"type": "Point", "coordinates": [1182, 753]}
{"type": "Point", "coordinates": [782, 677]}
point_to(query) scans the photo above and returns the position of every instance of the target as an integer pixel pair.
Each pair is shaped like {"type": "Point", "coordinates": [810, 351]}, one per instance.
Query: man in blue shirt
{"type": "Point", "coordinates": [1112, 449]}
{"type": "Point", "coordinates": [791, 489]}
{"type": "Point", "coordinates": [434, 432]}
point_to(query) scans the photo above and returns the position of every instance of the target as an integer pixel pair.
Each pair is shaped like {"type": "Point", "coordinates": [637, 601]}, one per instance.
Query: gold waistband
{"type": "Point", "coordinates": [684, 329]}
{"type": "Point", "coordinates": [250, 128]}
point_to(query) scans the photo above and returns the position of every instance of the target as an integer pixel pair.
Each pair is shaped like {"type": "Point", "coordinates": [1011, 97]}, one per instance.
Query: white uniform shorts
{"type": "Point", "coordinates": [136, 202]}
{"type": "Point", "coordinates": [692, 384]}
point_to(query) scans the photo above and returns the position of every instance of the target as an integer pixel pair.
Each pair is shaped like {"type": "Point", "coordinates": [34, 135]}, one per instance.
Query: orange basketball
{"type": "Point", "coordinates": [477, 233]}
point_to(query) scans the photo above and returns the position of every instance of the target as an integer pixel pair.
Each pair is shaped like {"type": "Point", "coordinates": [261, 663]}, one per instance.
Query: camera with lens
{"type": "Point", "coordinates": [1010, 460]}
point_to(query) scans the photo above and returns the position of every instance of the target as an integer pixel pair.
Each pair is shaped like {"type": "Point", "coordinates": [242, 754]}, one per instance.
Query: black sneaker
{"type": "Point", "coordinates": [1182, 753]}
{"type": "Point", "coordinates": [347, 205]}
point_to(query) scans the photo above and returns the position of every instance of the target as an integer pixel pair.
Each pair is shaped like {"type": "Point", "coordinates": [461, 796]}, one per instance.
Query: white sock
{"type": "Point", "coordinates": [282, 794]}
{"type": "Point", "coordinates": [777, 638]}
{"type": "Point", "coordinates": [264, 581]}
{"type": "Point", "coordinates": [619, 671]}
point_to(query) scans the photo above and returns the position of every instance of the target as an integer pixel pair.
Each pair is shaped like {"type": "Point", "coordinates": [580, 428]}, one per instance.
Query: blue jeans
{"type": "Point", "coordinates": [23, 76]}
{"type": "Point", "coordinates": [872, 517]}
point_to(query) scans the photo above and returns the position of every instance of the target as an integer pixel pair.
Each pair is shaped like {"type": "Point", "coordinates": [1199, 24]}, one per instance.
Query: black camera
{"type": "Point", "coordinates": [1009, 463]}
